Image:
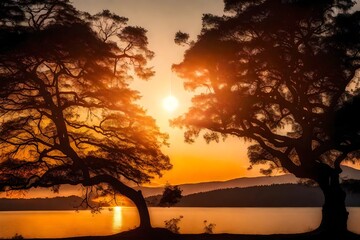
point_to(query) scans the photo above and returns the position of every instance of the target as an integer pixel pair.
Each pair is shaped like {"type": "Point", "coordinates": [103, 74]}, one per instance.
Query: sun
{"type": "Point", "coordinates": [170, 103]}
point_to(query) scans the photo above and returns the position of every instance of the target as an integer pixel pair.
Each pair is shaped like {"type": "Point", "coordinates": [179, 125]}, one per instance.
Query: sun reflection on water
{"type": "Point", "coordinates": [117, 218]}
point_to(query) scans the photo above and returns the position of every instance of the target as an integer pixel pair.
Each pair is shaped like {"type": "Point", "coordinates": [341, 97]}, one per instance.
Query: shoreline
{"type": "Point", "coordinates": [164, 234]}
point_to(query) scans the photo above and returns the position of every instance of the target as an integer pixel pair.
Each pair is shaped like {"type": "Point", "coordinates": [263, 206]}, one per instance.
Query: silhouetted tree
{"type": "Point", "coordinates": [67, 113]}
{"type": "Point", "coordinates": [171, 196]}
{"type": "Point", "coordinates": [275, 72]}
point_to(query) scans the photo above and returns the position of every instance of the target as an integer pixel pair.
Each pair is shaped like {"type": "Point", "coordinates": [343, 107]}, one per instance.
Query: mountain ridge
{"type": "Point", "coordinates": [279, 195]}
{"type": "Point", "coordinates": [191, 188]}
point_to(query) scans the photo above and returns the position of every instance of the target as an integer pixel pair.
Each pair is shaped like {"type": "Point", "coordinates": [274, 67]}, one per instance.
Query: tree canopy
{"type": "Point", "coordinates": [276, 73]}
{"type": "Point", "coordinates": [170, 196]}
{"type": "Point", "coordinates": [68, 114]}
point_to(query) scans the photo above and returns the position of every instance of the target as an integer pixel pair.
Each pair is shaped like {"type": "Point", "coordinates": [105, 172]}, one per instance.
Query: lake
{"type": "Point", "coordinates": [231, 220]}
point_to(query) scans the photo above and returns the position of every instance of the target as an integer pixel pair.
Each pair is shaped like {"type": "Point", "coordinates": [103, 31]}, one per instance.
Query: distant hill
{"type": "Point", "coordinates": [191, 188]}
{"type": "Point", "coordinates": [282, 195]}
{"type": "Point", "coordinates": [57, 203]}
{"type": "Point", "coordinates": [279, 195]}
{"type": "Point", "coordinates": [348, 173]}
{"type": "Point", "coordinates": [209, 186]}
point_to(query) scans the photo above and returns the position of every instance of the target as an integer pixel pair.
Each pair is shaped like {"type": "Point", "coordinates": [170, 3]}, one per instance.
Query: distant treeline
{"type": "Point", "coordinates": [281, 195]}
{"type": "Point", "coordinates": [57, 203]}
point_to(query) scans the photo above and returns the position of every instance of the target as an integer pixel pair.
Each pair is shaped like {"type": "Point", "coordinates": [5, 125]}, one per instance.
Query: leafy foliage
{"type": "Point", "coordinates": [172, 224]}
{"type": "Point", "coordinates": [181, 38]}
{"type": "Point", "coordinates": [276, 74]}
{"type": "Point", "coordinates": [67, 111]}
{"type": "Point", "coordinates": [171, 195]}
{"type": "Point", "coordinates": [209, 227]}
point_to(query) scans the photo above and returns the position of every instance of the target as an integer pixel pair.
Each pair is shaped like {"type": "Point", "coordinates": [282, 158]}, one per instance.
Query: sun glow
{"type": "Point", "coordinates": [170, 103]}
{"type": "Point", "coordinates": [117, 218]}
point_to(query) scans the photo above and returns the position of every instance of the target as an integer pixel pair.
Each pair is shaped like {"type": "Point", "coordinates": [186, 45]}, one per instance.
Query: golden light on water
{"type": "Point", "coordinates": [117, 218]}
{"type": "Point", "coordinates": [170, 103]}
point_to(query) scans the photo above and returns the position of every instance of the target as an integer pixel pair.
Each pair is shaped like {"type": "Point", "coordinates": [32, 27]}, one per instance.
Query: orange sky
{"type": "Point", "coordinates": [197, 162]}
{"type": "Point", "coordinates": [163, 18]}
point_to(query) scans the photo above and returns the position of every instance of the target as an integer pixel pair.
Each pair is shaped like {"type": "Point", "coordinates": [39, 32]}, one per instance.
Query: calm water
{"type": "Point", "coordinates": [231, 220]}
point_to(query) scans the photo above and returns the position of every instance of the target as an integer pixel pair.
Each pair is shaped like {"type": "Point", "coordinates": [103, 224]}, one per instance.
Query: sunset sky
{"type": "Point", "coordinates": [197, 162]}
{"type": "Point", "coordinates": [81, 153]}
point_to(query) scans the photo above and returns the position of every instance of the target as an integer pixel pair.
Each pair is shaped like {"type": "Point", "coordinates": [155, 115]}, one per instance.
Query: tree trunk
{"type": "Point", "coordinates": [334, 213]}
{"type": "Point", "coordinates": [140, 203]}
{"type": "Point", "coordinates": [133, 195]}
